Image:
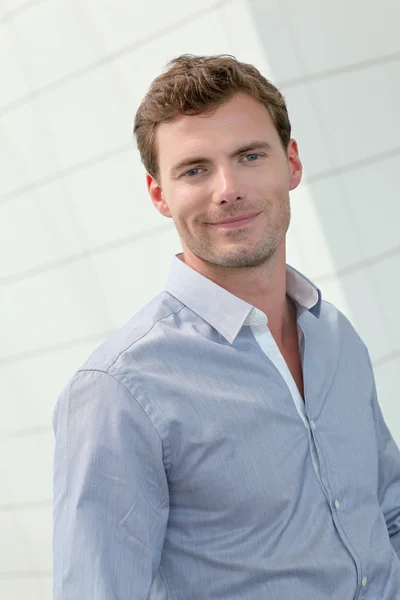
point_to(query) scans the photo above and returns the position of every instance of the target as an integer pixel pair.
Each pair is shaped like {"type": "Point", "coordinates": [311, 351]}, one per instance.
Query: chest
{"type": "Point", "coordinates": [285, 356]}
{"type": "Point", "coordinates": [291, 356]}
{"type": "Point", "coordinates": [241, 440]}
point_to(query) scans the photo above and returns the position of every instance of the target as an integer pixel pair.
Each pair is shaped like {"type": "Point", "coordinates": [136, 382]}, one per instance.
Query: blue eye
{"type": "Point", "coordinates": [193, 172]}
{"type": "Point", "coordinates": [251, 157]}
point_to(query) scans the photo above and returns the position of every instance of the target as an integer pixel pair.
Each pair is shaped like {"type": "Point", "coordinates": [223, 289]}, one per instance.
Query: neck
{"type": "Point", "coordinates": [263, 286]}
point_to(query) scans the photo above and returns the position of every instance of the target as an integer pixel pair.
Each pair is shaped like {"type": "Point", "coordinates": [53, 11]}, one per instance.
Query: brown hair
{"type": "Point", "coordinates": [192, 85]}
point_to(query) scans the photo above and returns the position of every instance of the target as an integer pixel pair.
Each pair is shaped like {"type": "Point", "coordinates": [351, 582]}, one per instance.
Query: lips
{"type": "Point", "coordinates": [241, 222]}
{"type": "Point", "coordinates": [240, 218]}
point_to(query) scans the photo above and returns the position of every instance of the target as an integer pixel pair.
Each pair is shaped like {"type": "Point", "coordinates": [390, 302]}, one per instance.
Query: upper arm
{"type": "Point", "coordinates": [110, 492]}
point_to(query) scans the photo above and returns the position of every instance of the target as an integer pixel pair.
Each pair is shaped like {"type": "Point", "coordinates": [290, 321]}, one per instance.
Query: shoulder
{"type": "Point", "coordinates": [123, 354]}
{"type": "Point", "coordinates": [112, 380]}
{"type": "Point", "coordinates": [141, 330]}
{"type": "Point", "coordinates": [342, 330]}
{"type": "Point", "coordinates": [331, 314]}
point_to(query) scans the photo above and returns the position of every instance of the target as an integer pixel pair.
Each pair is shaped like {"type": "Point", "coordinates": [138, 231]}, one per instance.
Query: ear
{"type": "Point", "coordinates": [295, 166]}
{"type": "Point", "coordinates": [157, 196]}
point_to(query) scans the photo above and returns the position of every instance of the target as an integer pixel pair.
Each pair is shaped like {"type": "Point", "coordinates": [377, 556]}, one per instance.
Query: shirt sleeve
{"type": "Point", "coordinates": [389, 475]}
{"type": "Point", "coordinates": [111, 498]}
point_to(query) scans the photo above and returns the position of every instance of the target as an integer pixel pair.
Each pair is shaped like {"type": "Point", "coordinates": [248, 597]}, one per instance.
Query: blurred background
{"type": "Point", "coordinates": [81, 246]}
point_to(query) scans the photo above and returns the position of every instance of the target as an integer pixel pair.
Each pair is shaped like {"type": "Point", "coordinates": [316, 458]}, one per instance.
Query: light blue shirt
{"type": "Point", "coordinates": [187, 468]}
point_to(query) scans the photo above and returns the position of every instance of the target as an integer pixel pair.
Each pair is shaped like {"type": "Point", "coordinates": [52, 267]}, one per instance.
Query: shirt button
{"type": "Point", "coordinates": [337, 504]}
{"type": "Point", "coordinates": [364, 581]}
{"type": "Point", "coordinates": [313, 425]}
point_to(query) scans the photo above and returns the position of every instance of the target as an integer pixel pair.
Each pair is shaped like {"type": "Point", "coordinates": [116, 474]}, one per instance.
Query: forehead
{"type": "Point", "coordinates": [232, 124]}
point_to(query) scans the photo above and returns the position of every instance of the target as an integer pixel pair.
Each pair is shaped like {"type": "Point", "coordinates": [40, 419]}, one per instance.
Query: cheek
{"type": "Point", "coordinates": [188, 214]}
{"type": "Point", "coordinates": [269, 189]}
{"type": "Point", "coordinates": [280, 176]}
{"type": "Point", "coordinates": [193, 203]}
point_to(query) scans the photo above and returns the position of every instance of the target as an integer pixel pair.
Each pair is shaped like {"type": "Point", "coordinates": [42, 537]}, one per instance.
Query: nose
{"type": "Point", "coordinates": [228, 186]}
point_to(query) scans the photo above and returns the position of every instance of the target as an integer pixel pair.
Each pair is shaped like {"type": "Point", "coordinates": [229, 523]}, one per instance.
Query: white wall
{"type": "Point", "coordinates": [81, 246]}
{"type": "Point", "coordinates": [341, 77]}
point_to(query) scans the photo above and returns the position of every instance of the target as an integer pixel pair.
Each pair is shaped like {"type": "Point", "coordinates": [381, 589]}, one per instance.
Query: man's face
{"type": "Point", "coordinates": [215, 167]}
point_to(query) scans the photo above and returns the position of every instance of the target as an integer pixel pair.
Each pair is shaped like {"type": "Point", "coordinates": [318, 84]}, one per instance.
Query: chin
{"type": "Point", "coordinates": [239, 258]}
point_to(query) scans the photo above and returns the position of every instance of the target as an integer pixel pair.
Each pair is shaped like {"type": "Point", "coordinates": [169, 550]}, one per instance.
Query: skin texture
{"type": "Point", "coordinates": [237, 165]}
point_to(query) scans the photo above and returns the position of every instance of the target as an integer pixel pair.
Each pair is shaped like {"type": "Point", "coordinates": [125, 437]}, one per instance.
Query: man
{"type": "Point", "coordinates": [227, 442]}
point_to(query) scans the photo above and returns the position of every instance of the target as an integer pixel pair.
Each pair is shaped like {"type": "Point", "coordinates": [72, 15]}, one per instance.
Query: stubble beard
{"type": "Point", "coordinates": [241, 257]}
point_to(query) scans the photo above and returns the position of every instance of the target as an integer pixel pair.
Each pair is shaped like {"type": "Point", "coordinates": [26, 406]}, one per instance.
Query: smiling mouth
{"type": "Point", "coordinates": [235, 224]}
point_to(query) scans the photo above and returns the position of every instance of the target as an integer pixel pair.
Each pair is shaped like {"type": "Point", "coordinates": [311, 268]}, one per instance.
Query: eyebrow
{"type": "Point", "coordinates": [188, 162]}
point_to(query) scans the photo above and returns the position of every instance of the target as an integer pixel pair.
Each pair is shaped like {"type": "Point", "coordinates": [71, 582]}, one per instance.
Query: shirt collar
{"type": "Point", "coordinates": [224, 311]}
